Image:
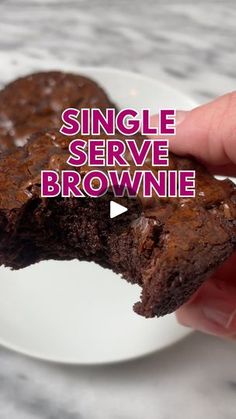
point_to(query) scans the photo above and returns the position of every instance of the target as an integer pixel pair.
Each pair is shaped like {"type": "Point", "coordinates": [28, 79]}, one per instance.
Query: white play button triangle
{"type": "Point", "coordinates": [116, 209]}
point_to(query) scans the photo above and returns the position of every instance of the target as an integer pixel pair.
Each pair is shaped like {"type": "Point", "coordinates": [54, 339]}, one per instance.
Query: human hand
{"type": "Point", "coordinates": [209, 134]}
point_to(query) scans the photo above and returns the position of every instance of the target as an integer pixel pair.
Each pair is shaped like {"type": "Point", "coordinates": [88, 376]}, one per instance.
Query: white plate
{"type": "Point", "coordinates": [76, 312]}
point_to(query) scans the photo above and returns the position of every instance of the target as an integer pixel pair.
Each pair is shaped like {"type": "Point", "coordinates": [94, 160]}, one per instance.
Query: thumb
{"type": "Point", "coordinates": [207, 132]}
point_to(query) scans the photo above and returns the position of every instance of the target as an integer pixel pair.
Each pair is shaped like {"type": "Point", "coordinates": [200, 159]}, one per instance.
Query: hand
{"type": "Point", "coordinates": [209, 133]}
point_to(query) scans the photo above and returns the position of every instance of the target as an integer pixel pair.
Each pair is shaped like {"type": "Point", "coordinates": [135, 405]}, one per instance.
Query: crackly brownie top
{"type": "Point", "coordinates": [37, 101]}
{"type": "Point", "coordinates": [20, 173]}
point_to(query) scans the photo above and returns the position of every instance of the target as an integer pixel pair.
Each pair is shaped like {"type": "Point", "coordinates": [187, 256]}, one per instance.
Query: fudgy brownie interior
{"type": "Point", "coordinates": [167, 246]}
{"type": "Point", "coordinates": [35, 102]}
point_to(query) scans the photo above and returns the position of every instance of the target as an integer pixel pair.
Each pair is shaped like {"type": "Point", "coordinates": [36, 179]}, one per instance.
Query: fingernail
{"type": "Point", "coordinates": [224, 318]}
{"type": "Point", "coordinates": [180, 116]}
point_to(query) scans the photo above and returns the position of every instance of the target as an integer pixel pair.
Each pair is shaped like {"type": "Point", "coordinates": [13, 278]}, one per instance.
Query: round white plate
{"type": "Point", "coordinates": [77, 312]}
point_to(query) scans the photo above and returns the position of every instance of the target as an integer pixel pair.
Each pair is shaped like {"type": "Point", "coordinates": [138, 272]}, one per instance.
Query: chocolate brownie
{"type": "Point", "coordinates": [37, 101]}
{"type": "Point", "coordinates": [167, 246]}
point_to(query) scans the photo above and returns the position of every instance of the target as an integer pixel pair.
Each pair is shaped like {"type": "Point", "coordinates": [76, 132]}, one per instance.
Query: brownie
{"type": "Point", "coordinates": [37, 101]}
{"type": "Point", "coordinates": [167, 246]}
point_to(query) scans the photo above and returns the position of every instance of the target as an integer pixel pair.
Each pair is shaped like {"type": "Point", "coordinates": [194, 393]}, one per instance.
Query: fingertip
{"type": "Point", "coordinates": [212, 309]}
{"type": "Point", "coordinates": [207, 132]}
{"type": "Point", "coordinates": [208, 320]}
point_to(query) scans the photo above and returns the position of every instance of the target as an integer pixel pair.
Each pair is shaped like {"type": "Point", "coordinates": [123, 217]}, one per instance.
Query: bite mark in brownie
{"type": "Point", "coordinates": [35, 102]}
{"type": "Point", "coordinates": [168, 246]}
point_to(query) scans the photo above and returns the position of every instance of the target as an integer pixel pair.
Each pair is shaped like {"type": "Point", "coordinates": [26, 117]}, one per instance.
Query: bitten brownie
{"type": "Point", "coordinates": [37, 101]}
{"type": "Point", "coordinates": [167, 246]}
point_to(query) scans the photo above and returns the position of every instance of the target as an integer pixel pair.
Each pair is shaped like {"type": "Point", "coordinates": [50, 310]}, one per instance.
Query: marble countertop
{"type": "Point", "coordinates": [195, 378]}
{"type": "Point", "coordinates": [190, 45]}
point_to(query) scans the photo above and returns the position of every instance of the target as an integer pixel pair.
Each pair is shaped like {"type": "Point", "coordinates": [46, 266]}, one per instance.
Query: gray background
{"type": "Point", "coordinates": [191, 46]}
